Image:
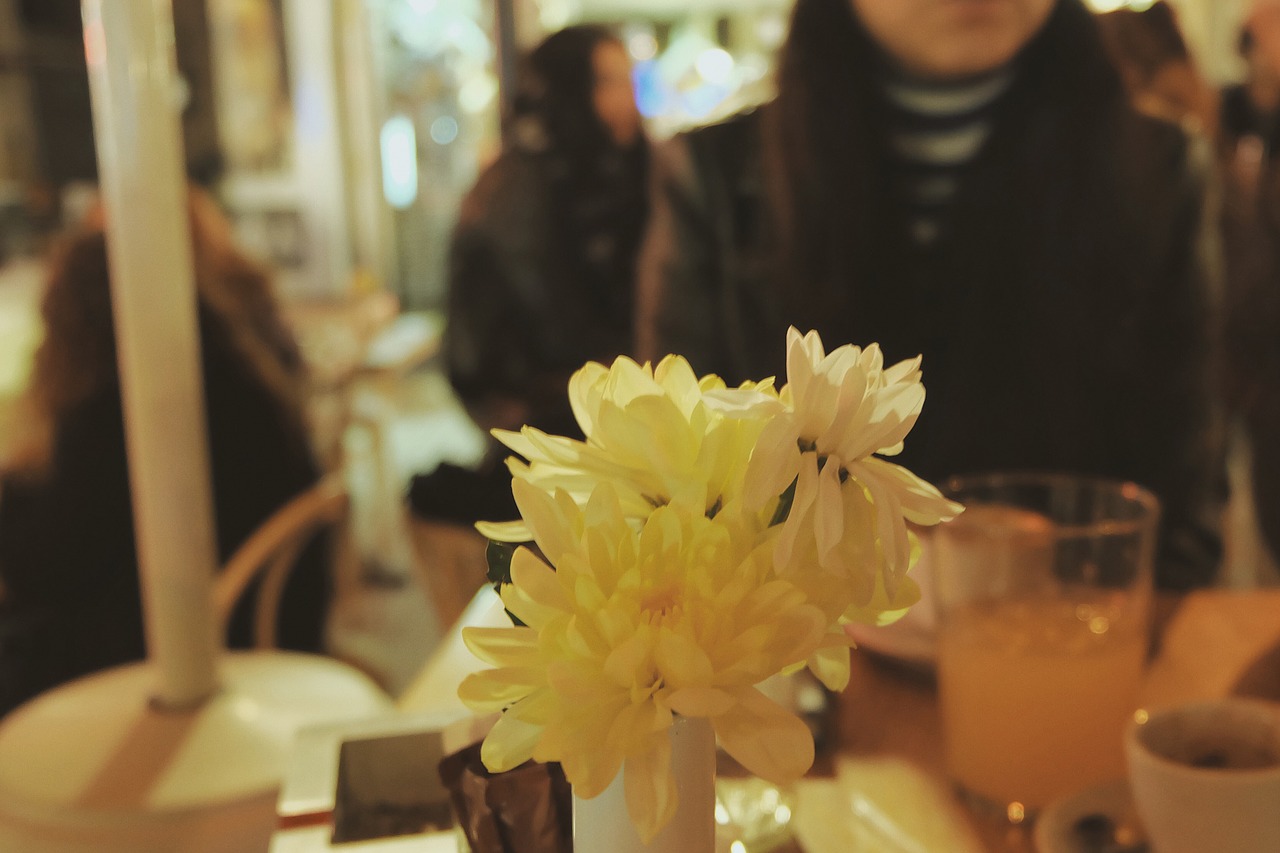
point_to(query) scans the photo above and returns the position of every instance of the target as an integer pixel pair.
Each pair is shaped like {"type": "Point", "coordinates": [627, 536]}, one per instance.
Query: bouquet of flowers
{"type": "Point", "coordinates": [700, 540]}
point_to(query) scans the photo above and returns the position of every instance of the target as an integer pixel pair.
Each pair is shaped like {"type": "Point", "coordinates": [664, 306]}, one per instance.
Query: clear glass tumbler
{"type": "Point", "coordinates": [1043, 591]}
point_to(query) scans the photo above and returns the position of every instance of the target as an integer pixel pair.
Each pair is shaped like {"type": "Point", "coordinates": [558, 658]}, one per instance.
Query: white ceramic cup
{"type": "Point", "coordinates": [1206, 776]}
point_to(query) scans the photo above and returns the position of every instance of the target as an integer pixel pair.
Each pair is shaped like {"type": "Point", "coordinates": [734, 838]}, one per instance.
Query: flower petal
{"type": "Point", "coordinates": [765, 738]}
{"type": "Point", "coordinates": [495, 689]}
{"type": "Point", "coordinates": [883, 609]}
{"type": "Point", "coordinates": [700, 701]}
{"type": "Point", "coordinates": [509, 743]}
{"type": "Point", "coordinates": [650, 788]}
{"type": "Point", "coordinates": [921, 501]}
{"type": "Point", "coordinates": [830, 663]}
{"type": "Point", "coordinates": [680, 660]}
{"type": "Point", "coordinates": [503, 646]}
{"type": "Point", "coordinates": [505, 531]}
{"type": "Point", "coordinates": [530, 595]}
{"type": "Point", "coordinates": [828, 521]}
{"type": "Point", "coordinates": [797, 523]}
{"type": "Point", "coordinates": [539, 583]}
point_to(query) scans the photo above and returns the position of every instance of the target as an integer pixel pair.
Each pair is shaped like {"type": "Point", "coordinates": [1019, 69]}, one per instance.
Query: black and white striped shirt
{"type": "Point", "coordinates": [935, 131]}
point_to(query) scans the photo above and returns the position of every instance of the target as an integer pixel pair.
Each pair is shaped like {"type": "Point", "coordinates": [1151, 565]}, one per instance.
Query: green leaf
{"type": "Point", "coordinates": [785, 500]}
{"type": "Point", "coordinates": [498, 556]}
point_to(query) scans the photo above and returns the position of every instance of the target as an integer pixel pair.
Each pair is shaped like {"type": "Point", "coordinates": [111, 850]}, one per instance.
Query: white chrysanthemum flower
{"type": "Point", "coordinates": [850, 509]}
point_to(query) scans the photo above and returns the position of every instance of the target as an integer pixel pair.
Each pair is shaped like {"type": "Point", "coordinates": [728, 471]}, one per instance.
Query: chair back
{"type": "Point", "coordinates": [271, 552]}
{"type": "Point", "coordinates": [452, 559]}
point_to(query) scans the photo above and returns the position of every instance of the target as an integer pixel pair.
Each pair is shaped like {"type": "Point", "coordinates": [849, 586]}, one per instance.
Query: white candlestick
{"type": "Point", "coordinates": [130, 51]}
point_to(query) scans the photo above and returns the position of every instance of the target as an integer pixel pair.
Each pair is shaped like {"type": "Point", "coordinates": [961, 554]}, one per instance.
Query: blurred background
{"type": "Point", "coordinates": [340, 137]}
{"type": "Point", "coordinates": [348, 130]}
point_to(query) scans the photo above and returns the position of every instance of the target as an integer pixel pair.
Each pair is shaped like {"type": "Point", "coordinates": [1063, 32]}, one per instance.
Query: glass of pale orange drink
{"type": "Point", "coordinates": [1043, 591]}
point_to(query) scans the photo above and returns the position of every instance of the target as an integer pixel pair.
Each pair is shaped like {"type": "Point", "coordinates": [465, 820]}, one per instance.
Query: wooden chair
{"type": "Point", "coordinates": [272, 550]}
{"type": "Point", "coordinates": [451, 558]}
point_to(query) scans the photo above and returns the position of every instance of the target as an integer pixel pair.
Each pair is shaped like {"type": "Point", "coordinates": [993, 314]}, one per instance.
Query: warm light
{"type": "Point", "coordinates": [715, 66]}
{"type": "Point", "coordinates": [95, 44]}
{"type": "Point", "coordinates": [1017, 813]}
{"type": "Point", "coordinates": [554, 14]}
{"type": "Point", "coordinates": [722, 814]}
{"type": "Point", "coordinates": [782, 814]}
{"type": "Point", "coordinates": [477, 93]}
{"type": "Point", "coordinates": [1141, 716]}
{"type": "Point", "coordinates": [1113, 5]}
{"type": "Point", "coordinates": [444, 130]}
{"type": "Point", "coordinates": [754, 67]}
{"type": "Point", "coordinates": [771, 30]}
{"type": "Point", "coordinates": [642, 46]}
{"type": "Point", "coordinates": [737, 847]}
{"type": "Point", "coordinates": [1128, 837]}
{"type": "Point", "coordinates": [399, 144]}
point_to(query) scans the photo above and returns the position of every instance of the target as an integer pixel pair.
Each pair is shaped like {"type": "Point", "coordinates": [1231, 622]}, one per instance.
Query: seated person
{"type": "Point", "coordinates": [542, 265]}
{"type": "Point", "coordinates": [1251, 347]}
{"type": "Point", "coordinates": [972, 185]}
{"type": "Point", "coordinates": [543, 258]}
{"type": "Point", "coordinates": [1250, 110]}
{"type": "Point", "coordinates": [1157, 67]}
{"type": "Point", "coordinates": [68, 562]}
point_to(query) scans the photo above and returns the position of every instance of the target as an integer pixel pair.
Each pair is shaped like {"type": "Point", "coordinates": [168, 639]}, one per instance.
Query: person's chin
{"type": "Point", "coordinates": [978, 10]}
{"type": "Point", "coordinates": [971, 60]}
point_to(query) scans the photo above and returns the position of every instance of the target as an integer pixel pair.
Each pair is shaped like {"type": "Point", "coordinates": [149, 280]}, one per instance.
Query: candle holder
{"type": "Point", "coordinates": [96, 767]}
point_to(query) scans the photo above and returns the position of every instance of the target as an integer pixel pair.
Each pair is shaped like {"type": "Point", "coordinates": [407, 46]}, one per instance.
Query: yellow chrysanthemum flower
{"type": "Point", "coordinates": [682, 614]}
{"type": "Point", "coordinates": [657, 435]}
{"type": "Point", "coordinates": [674, 589]}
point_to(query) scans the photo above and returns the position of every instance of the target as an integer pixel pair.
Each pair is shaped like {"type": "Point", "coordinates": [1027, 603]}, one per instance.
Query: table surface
{"type": "Point", "coordinates": [891, 709]}
{"type": "Point", "coordinates": [1204, 642]}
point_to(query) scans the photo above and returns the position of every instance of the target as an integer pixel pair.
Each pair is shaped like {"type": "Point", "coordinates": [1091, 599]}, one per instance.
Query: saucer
{"type": "Point", "coordinates": [1056, 826]}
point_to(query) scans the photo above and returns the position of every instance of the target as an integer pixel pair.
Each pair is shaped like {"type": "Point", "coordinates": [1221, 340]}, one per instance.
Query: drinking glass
{"type": "Point", "coordinates": [1043, 591]}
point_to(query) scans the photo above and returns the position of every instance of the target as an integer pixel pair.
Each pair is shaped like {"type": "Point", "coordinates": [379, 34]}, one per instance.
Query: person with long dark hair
{"type": "Point", "coordinates": [967, 181]}
{"type": "Point", "coordinates": [541, 272]}
{"type": "Point", "coordinates": [1157, 66]}
{"type": "Point", "coordinates": [71, 602]}
{"type": "Point", "coordinates": [1250, 369]}
{"type": "Point", "coordinates": [1250, 110]}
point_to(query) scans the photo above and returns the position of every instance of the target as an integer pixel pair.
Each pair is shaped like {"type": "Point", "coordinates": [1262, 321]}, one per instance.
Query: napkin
{"type": "Point", "coordinates": [883, 804]}
{"type": "Point", "coordinates": [525, 810]}
{"type": "Point", "coordinates": [435, 689]}
{"type": "Point", "coordinates": [1215, 638]}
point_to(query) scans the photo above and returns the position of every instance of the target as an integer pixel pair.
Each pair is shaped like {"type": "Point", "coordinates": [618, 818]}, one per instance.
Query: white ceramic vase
{"type": "Point", "coordinates": [602, 824]}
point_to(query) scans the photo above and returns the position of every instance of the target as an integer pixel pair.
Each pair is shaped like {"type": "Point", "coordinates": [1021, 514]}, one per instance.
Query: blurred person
{"type": "Point", "coordinates": [541, 271]}
{"type": "Point", "coordinates": [1250, 110]}
{"type": "Point", "coordinates": [1157, 67]}
{"type": "Point", "coordinates": [1251, 237]}
{"type": "Point", "coordinates": [68, 562]}
{"type": "Point", "coordinates": [967, 180]}
{"type": "Point", "coordinates": [542, 263]}
{"type": "Point", "coordinates": [1250, 369]}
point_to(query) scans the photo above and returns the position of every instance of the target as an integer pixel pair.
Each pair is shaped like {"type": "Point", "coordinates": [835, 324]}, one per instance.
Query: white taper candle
{"type": "Point", "coordinates": [130, 50]}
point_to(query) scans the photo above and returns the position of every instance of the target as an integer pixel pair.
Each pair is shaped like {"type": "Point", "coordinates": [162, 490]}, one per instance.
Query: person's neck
{"type": "Point", "coordinates": [891, 69]}
{"type": "Point", "coordinates": [933, 131]}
